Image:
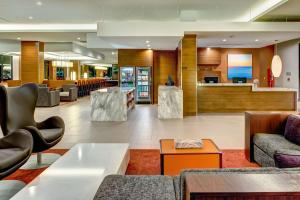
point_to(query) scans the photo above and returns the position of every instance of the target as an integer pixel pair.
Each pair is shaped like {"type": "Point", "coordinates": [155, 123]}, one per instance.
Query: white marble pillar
{"type": "Point", "coordinates": [170, 102]}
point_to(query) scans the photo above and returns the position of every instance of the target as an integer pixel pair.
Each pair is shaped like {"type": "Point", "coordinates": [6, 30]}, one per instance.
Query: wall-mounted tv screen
{"type": "Point", "coordinates": [240, 66]}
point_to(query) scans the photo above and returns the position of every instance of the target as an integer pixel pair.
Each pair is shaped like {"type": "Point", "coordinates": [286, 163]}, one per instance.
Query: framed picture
{"type": "Point", "coordinates": [239, 66]}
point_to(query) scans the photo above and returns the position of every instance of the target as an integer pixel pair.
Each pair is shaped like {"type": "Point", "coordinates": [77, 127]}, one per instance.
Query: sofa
{"type": "Point", "coordinates": [69, 92]}
{"type": "Point", "coordinates": [273, 138]}
{"type": "Point", "coordinates": [47, 97]}
{"type": "Point", "coordinates": [129, 187]}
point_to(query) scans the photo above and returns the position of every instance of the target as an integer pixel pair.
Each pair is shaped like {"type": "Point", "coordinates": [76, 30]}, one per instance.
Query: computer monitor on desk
{"type": "Point", "coordinates": [239, 80]}
{"type": "Point", "coordinates": [212, 79]}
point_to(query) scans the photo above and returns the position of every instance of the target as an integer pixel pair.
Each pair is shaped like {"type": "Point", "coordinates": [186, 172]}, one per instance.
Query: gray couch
{"type": "Point", "coordinates": [119, 187]}
{"type": "Point", "coordinates": [47, 98]}
{"type": "Point", "coordinates": [265, 142]}
{"type": "Point", "coordinates": [69, 92]}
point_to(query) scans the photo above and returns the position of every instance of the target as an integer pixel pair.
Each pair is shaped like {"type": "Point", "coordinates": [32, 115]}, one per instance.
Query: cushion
{"type": "Point", "coordinates": [51, 134]}
{"type": "Point", "coordinates": [11, 156]}
{"type": "Point", "coordinates": [270, 143]}
{"type": "Point", "coordinates": [286, 158]}
{"type": "Point", "coordinates": [64, 94]}
{"type": "Point", "coordinates": [118, 187]}
{"type": "Point", "coordinates": [292, 129]}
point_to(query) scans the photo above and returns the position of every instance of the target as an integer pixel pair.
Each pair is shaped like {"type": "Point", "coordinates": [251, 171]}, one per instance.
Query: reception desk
{"type": "Point", "coordinates": [111, 104]}
{"type": "Point", "coordinates": [229, 97]}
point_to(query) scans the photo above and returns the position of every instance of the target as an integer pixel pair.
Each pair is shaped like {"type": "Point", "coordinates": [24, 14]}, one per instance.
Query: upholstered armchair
{"type": "Point", "coordinates": [47, 98]}
{"type": "Point", "coordinates": [69, 92]}
{"type": "Point", "coordinates": [18, 107]}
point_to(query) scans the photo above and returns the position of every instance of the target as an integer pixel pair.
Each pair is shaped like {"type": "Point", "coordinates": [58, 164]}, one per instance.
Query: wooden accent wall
{"type": "Point", "coordinates": [189, 74]}
{"type": "Point", "coordinates": [218, 99]}
{"type": "Point", "coordinates": [265, 59]}
{"type": "Point", "coordinates": [209, 56]}
{"type": "Point", "coordinates": [135, 57]}
{"type": "Point", "coordinates": [164, 64]}
{"type": "Point", "coordinates": [261, 61]}
{"type": "Point", "coordinates": [52, 71]}
{"type": "Point", "coordinates": [32, 62]}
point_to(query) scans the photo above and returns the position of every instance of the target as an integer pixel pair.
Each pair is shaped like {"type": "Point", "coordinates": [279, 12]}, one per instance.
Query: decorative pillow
{"type": "Point", "coordinates": [286, 158]}
{"type": "Point", "coordinates": [292, 129]}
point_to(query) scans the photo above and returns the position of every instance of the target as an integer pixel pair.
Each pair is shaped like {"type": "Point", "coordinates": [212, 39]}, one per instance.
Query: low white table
{"type": "Point", "coordinates": [78, 173]}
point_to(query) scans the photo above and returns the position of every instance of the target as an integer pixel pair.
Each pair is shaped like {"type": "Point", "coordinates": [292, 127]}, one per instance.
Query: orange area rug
{"type": "Point", "coordinates": [142, 162]}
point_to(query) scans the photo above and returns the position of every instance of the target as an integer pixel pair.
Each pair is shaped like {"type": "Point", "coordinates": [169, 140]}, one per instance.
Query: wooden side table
{"type": "Point", "coordinates": [175, 160]}
{"type": "Point", "coordinates": [242, 186]}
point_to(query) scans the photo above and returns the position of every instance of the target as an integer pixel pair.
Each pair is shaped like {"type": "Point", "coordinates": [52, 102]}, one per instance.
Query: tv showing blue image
{"type": "Point", "coordinates": [239, 66]}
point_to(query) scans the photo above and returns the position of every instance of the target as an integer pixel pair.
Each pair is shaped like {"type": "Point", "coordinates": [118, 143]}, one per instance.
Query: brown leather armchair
{"type": "Point", "coordinates": [18, 105]}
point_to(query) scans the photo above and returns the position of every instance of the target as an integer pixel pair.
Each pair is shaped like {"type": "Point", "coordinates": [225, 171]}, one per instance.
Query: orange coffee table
{"type": "Point", "coordinates": [172, 160]}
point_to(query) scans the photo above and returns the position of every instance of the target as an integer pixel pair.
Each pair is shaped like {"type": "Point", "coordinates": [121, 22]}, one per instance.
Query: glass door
{"type": "Point", "coordinates": [143, 84]}
{"type": "Point", "coordinates": [127, 77]}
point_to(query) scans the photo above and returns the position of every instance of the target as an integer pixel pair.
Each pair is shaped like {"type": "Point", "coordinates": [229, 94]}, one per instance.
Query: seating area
{"type": "Point", "coordinates": [150, 100]}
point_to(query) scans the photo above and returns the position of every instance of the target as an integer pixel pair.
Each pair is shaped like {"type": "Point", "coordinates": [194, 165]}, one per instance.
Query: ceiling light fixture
{"type": "Point", "coordinates": [147, 41]}
{"type": "Point", "coordinates": [18, 38]}
{"type": "Point", "coordinates": [30, 17]}
{"type": "Point", "coordinates": [78, 38]}
{"type": "Point", "coordinates": [113, 53]}
{"type": "Point", "coordinates": [256, 40]}
{"type": "Point", "coordinates": [224, 40]}
{"type": "Point", "coordinates": [148, 45]}
{"type": "Point", "coordinates": [39, 3]}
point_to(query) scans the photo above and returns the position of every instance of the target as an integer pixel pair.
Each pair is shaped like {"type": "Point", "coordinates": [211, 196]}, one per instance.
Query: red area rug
{"type": "Point", "coordinates": [142, 162]}
{"type": "Point", "coordinates": [147, 162]}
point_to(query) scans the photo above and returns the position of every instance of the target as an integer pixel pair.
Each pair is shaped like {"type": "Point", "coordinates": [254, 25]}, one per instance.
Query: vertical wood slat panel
{"type": "Point", "coordinates": [32, 62]}
{"type": "Point", "coordinates": [189, 74]}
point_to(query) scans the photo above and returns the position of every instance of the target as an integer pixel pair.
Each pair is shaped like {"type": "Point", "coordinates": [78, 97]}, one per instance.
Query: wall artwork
{"type": "Point", "coordinates": [240, 66]}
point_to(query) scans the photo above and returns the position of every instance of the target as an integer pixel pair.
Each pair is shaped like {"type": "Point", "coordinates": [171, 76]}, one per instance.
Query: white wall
{"type": "Point", "coordinates": [289, 53]}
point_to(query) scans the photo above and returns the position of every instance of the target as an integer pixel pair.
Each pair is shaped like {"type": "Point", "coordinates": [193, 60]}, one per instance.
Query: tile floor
{"type": "Point", "coordinates": [143, 129]}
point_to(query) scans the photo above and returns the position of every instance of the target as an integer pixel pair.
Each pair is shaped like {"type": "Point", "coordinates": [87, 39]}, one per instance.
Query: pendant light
{"type": "Point", "coordinates": [276, 66]}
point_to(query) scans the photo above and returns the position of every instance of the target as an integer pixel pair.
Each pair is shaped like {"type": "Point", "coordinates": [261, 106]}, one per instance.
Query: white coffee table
{"type": "Point", "coordinates": [78, 173]}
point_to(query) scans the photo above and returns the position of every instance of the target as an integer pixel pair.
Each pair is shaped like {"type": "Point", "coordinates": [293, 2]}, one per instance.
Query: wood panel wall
{"type": "Point", "coordinates": [164, 64]}
{"type": "Point", "coordinates": [52, 71]}
{"type": "Point", "coordinates": [189, 74]}
{"type": "Point", "coordinates": [135, 57]}
{"type": "Point", "coordinates": [261, 61]}
{"type": "Point", "coordinates": [242, 98]}
{"type": "Point", "coordinates": [32, 62]}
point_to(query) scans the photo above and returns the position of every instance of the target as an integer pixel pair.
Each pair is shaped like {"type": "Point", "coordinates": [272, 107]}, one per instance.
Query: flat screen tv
{"type": "Point", "coordinates": [240, 65]}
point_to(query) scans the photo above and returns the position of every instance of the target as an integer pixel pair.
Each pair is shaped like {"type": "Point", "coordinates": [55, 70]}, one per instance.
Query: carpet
{"type": "Point", "coordinates": [147, 162]}
{"type": "Point", "coordinates": [142, 162]}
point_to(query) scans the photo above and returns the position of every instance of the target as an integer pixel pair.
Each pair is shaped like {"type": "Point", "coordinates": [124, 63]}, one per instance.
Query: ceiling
{"type": "Point", "coordinates": [75, 21]}
{"type": "Point", "coordinates": [287, 11]}
{"type": "Point", "coordinates": [79, 11]}
{"type": "Point", "coordinates": [244, 39]}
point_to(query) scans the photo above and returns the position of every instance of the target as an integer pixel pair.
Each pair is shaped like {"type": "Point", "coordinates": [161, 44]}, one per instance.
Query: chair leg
{"type": "Point", "coordinates": [39, 158]}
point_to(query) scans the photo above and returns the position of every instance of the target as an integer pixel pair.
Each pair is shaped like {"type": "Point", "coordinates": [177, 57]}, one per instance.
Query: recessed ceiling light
{"type": "Point", "coordinates": [18, 38]}
{"type": "Point", "coordinates": [147, 41]}
{"type": "Point", "coordinates": [113, 53]}
{"type": "Point", "coordinates": [30, 17]}
{"type": "Point", "coordinates": [148, 45]}
{"type": "Point", "coordinates": [78, 38]}
{"type": "Point", "coordinates": [256, 40]}
{"type": "Point", "coordinates": [224, 40]}
{"type": "Point", "coordinates": [39, 3]}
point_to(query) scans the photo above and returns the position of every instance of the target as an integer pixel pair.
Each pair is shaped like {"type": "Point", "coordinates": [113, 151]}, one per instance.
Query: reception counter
{"type": "Point", "coordinates": [229, 97]}
{"type": "Point", "coordinates": [111, 104]}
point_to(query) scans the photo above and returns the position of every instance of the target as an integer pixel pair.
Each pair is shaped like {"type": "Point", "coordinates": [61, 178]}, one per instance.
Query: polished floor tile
{"type": "Point", "coordinates": [143, 129]}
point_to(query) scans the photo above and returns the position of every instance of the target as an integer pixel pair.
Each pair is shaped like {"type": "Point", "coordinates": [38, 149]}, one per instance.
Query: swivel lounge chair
{"type": "Point", "coordinates": [15, 150]}
{"type": "Point", "coordinates": [18, 107]}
